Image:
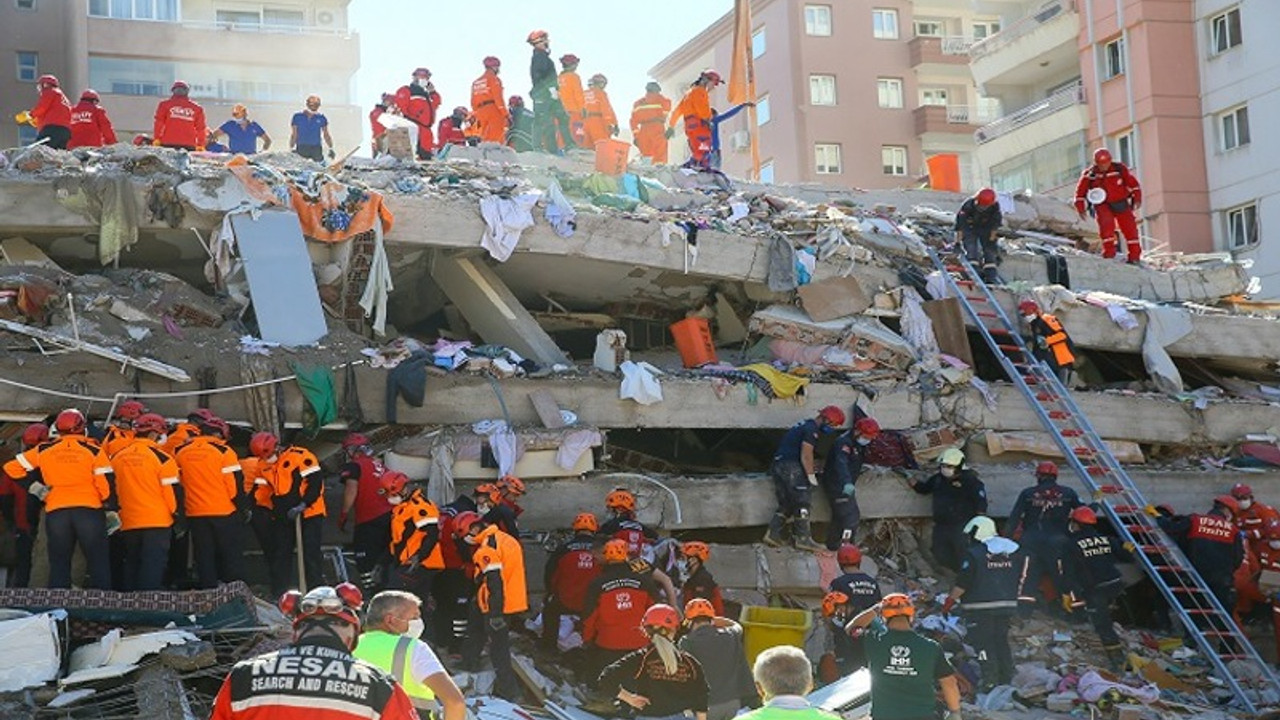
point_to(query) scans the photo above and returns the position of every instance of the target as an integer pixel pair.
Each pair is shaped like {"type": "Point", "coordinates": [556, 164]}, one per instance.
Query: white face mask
{"type": "Point", "coordinates": [395, 499]}
{"type": "Point", "coordinates": [1244, 504]}
{"type": "Point", "coordinates": [864, 441]}
{"type": "Point", "coordinates": [947, 471]}
{"type": "Point", "coordinates": [1275, 544]}
{"type": "Point", "coordinates": [162, 439]}
{"type": "Point", "coordinates": [416, 626]}
{"type": "Point", "coordinates": [483, 508]}
{"type": "Point", "coordinates": [1028, 318]}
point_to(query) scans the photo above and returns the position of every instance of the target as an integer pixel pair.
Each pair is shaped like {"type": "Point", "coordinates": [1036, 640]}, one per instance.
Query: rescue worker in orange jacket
{"type": "Point", "coordinates": [363, 493]}
{"type": "Point", "coordinates": [1249, 591]}
{"type": "Point", "coordinates": [489, 103]}
{"type": "Point", "coordinates": [498, 560]}
{"type": "Point", "coordinates": [150, 503]}
{"type": "Point", "coordinates": [694, 110]}
{"type": "Point", "coordinates": [186, 430]}
{"type": "Point", "coordinates": [601, 121]}
{"type": "Point", "coordinates": [615, 602]}
{"type": "Point", "coordinates": [179, 122]}
{"type": "Point", "coordinates": [297, 486]}
{"type": "Point", "coordinates": [120, 430]}
{"type": "Point", "coordinates": [1050, 343]}
{"type": "Point", "coordinates": [415, 535]}
{"type": "Point", "coordinates": [495, 512]}
{"type": "Point", "coordinates": [418, 101]}
{"type": "Point", "coordinates": [648, 123]}
{"type": "Point", "coordinates": [1254, 517]}
{"type": "Point", "coordinates": [90, 126]}
{"type": "Point", "coordinates": [449, 131]}
{"type": "Point", "coordinates": [51, 115]}
{"type": "Point", "coordinates": [76, 484]}
{"type": "Point", "coordinates": [572, 97]}
{"type": "Point", "coordinates": [1112, 194]}
{"type": "Point", "coordinates": [568, 573]}
{"type": "Point", "coordinates": [216, 503]}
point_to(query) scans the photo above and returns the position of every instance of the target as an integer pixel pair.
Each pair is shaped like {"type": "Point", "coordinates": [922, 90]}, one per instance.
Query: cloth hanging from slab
{"type": "Point", "coordinates": [504, 220]}
{"type": "Point", "coordinates": [351, 409]}
{"type": "Point", "coordinates": [109, 200]}
{"type": "Point", "coordinates": [440, 488]}
{"type": "Point", "coordinates": [379, 286]}
{"type": "Point", "coordinates": [316, 384]}
{"type": "Point", "coordinates": [574, 444]}
{"type": "Point", "coordinates": [640, 383]}
{"type": "Point", "coordinates": [260, 402]}
{"type": "Point", "coordinates": [781, 275]}
{"type": "Point", "coordinates": [917, 328]}
{"type": "Point", "coordinates": [503, 442]}
{"type": "Point", "coordinates": [560, 213]}
{"type": "Point", "coordinates": [408, 380]}
{"type": "Point", "coordinates": [1165, 326]}
{"type": "Point", "coordinates": [784, 385]}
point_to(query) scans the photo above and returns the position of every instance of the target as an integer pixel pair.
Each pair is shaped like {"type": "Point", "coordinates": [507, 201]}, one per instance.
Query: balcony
{"type": "Point", "coordinates": [1031, 49]}
{"type": "Point", "coordinates": [214, 42]}
{"type": "Point", "coordinates": [1022, 132]}
{"type": "Point", "coordinates": [950, 119]}
{"type": "Point", "coordinates": [944, 52]}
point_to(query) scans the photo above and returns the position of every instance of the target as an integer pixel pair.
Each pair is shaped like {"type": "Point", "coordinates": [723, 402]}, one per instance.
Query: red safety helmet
{"type": "Point", "coordinates": [492, 62]}
{"type": "Point", "coordinates": [130, 410]}
{"type": "Point", "coordinates": [1240, 491]}
{"type": "Point", "coordinates": [1028, 307]}
{"type": "Point", "coordinates": [90, 94]}
{"type": "Point", "coordinates": [895, 604]}
{"type": "Point", "coordinates": [986, 197]}
{"type": "Point", "coordinates": [615, 551]}
{"type": "Point", "coordinates": [833, 415]}
{"type": "Point", "coordinates": [342, 602]}
{"type": "Point", "coordinates": [217, 425]}
{"type": "Point", "coordinates": [354, 441]}
{"type": "Point", "coordinates": [711, 75]}
{"type": "Point", "coordinates": [585, 522]}
{"type": "Point", "coordinates": [661, 615]}
{"type": "Point", "coordinates": [151, 423]}
{"type": "Point", "coordinates": [598, 79]}
{"type": "Point", "coordinates": [696, 549]}
{"type": "Point", "coordinates": [48, 81]}
{"type": "Point", "coordinates": [867, 427]}
{"type": "Point", "coordinates": [392, 482]}
{"type": "Point", "coordinates": [1229, 503]}
{"type": "Point", "coordinates": [620, 499]}
{"type": "Point", "coordinates": [1272, 530]}
{"type": "Point", "coordinates": [179, 85]}
{"type": "Point", "coordinates": [511, 485]}
{"type": "Point", "coordinates": [515, 101]}
{"type": "Point", "coordinates": [536, 36]}
{"type": "Point", "coordinates": [200, 415]}
{"type": "Point", "coordinates": [698, 608]}
{"type": "Point", "coordinates": [35, 434]}
{"type": "Point", "coordinates": [263, 444]}
{"type": "Point", "coordinates": [69, 422]}
{"type": "Point", "coordinates": [1047, 467]}
{"type": "Point", "coordinates": [831, 601]}
{"type": "Point", "coordinates": [421, 72]}
{"type": "Point", "coordinates": [464, 521]}
{"type": "Point", "coordinates": [1102, 156]}
{"type": "Point", "coordinates": [1084, 515]}
{"type": "Point", "coordinates": [569, 59]}
{"type": "Point", "coordinates": [848, 554]}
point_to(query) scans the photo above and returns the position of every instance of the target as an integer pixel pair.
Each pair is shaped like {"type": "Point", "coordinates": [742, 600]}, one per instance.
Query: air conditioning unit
{"type": "Point", "coordinates": [324, 17]}
{"type": "Point", "coordinates": [740, 140]}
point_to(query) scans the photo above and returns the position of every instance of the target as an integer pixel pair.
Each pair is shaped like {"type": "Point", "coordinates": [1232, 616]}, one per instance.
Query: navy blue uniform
{"type": "Point", "coordinates": [1090, 573]}
{"type": "Point", "coordinates": [956, 501]}
{"type": "Point", "coordinates": [992, 576]}
{"type": "Point", "coordinates": [1042, 513]}
{"type": "Point", "coordinates": [977, 227]}
{"type": "Point", "coordinates": [839, 475]}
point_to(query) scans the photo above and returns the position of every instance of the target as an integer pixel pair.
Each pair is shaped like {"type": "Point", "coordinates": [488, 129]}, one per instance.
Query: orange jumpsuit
{"type": "Point", "coordinates": [600, 116]}
{"type": "Point", "coordinates": [490, 107]}
{"type": "Point", "coordinates": [575, 104]}
{"type": "Point", "coordinates": [695, 110]}
{"type": "Point", "coordinates": [1247, 591]}
{"type": "Point", "coordinates": [648, 116]}
{"type": "Point", "coordinates": [1253, 522]}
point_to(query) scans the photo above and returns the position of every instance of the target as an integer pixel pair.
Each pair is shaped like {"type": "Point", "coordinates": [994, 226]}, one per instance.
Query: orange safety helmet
{"type": "Point", "coordinates": [620, 499]}
{"type": "Point", "coordinates": [151, 423]}
{"type": "Point", "coordinates": [90, 94]}
{"type": "Point", "coordinates": [661, 615]}
{"type": "Point", "coordinates": [511, 485]}
{"type": "Point", "coordinates": [848, 554]}
{"type": "Point", "coordinates": [1240, 491]}
{"type": "Point", "coordinates": [490, 490]}
{"type": "Point", "coordinates": [986, 197]}
{"type": "Point", "coordinates": [1028, 307]}
{"type": "Point", "coordinates": [896, 604]}
{"type": "Point", "coordinates": [615, 551]}
{"type": "Point", "coordinates": [696, 549]}
{"type": "Point", "coordinates": [69, 422]}
{"type": "Point", "coordinates": [831, 601]}
{"type": "Point", "coordinates": [833, 415]}
{"type": "Point", "coordinates": [711, 75]}
{"type": "Point", "coordinates": [1102, 156]}
{"type": "Point", "coordinates": [392, 482]}
{"type": "Point", "coordinates": [130, 410]}
{"type": "Point", "coordinates": [263, 444]}
{"type": "Point", "coordinates": [867, 427]}
{"type": "Point", "coordinates": [342, 602]}
{"type": "Point", "coordinates": [492, 62]}
{"type": "Point", "coordinates": [698, 608]}
{"type": "Point", "coordinates": [537, 36]}
{"type": "Point", "coordinates": [585, 522]}
{"type": "Point", "coordinates": [35, 434]}
{"type": "Point", "coordinates": [1047, 468]}
{"type": "Point", "coordinates": [464, 521]}
{"type": "Point", "coordinates": [1084, 515]}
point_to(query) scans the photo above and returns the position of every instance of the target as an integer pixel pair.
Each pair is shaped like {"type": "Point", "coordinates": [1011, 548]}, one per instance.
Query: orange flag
{"type": "Point", "coordinates": [742, 76]}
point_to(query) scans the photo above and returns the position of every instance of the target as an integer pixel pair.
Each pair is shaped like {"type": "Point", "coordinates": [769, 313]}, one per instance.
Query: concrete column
{"type": "Point", "coordinates": [77, 49]}
{"type": "Point", "coordinates": [492, 309]}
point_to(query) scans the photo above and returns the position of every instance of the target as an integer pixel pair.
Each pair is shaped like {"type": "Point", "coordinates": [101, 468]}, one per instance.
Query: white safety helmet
{"type": "Point", "coordinates": [980, 528]}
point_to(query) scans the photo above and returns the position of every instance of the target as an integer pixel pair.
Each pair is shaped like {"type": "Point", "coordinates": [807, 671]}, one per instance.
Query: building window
{"type": "Point", "coordinates": [889, 92]}
{"type": "Point", "coordinates": [817, 20]}
{"type": "Point", "coordinates": [894, 159]}
{"type": "Point", "coordinates": [984, 29]}
{"type": "Point", "coordinates": [763, 114]}
{"type": "Point", "coordinates": [28, 66]}
{"type": "Point", "coordinates": [1126, 151]}
{"type": "Point", "coordinates": [758, 44]}
{"type": "Point", "coordinates": [766, 172]}
{"type": "Point", "coordinates": [1224, 30]}
{"type": "Point", "coordinates": [166, 10]}
{"type": "Point", "coordinates": [1234, 128]}
{"type": "Point", "coordinates": [826, 159]}
{"type": "Point", "coordinates": [933, 96]}
{"type": "Point", "coordinates": [1242, 226]}
{"type": "Point", "coordinates": [27, 134]}
{"type": "Point", "coordinates": [822, 89]}
{"type": "Point", "coordinates": [1113, 58]}
{"type": "Point", "coordinates": [884, 24]}
{"type": "Point", "coordinates": [930, 28]}
{"type": "Point", "coordinates": [25, 4]}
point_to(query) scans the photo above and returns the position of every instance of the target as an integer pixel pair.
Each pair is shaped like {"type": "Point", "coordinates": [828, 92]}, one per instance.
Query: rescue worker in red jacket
{"type": "Point", "coordinates": [1112, 194]}
{"type": "Point", "coordinates": [362, 492]}
{"type": "Point", "coordinates": [377, 130]}
{"type": "Point", "coordinates": [601, 122]}
{"type": "Point", "coordinates": [695, 111]}
{"type": "Point", "coordinates": [450, 132]}
{"type": "Point", "coordinates": [623, 525]}
{"type": "Point", "coordinates": [1211, 542]}
{"type": "Point", "coordinates": [568, 573]}
{"type": "Point", "coordinates": [1254, 517]}
{"type": "Point", "coordinates": [25, 514]}
{"type": "Point", "coordinates": [648, 123]}
{"type": "Point", "coordinates": [52, 114]}
{"type": "Point", "coordinates": [90, 126]}
{"type": "Point", "coordinates": [615, 603]}
{"type": "Point", "coordinates": [501, 595]}
{"type": "Point", "coordinates": [316, 676]}
{"type": "Point", "coordinates": [418, 101]}
{"type": "Point", "coordinates": [698, 580]}
{"type": "Point", "coordinates": [179, 122]}
{"type": "Point", "coordinates": [1050, 342]}
{"type": "Point", "coordinates": [489, 102]}
{"type": "Point", "coordinates": [1248, 588]}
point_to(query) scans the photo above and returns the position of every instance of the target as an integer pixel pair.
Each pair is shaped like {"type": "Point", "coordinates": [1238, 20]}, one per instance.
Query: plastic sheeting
{"type": "Point", "coordinates": [32, 651]}
{"type": "Point", "coordinates": [286, 301]}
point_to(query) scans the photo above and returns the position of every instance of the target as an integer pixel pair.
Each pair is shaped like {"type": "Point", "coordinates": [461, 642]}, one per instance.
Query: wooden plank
{"type": "Point", "coordinates": [949, 328]}
{"type": "Point", "coordinates": [20, 251]}
{"type": "Point", "coordinates": [544, 403]}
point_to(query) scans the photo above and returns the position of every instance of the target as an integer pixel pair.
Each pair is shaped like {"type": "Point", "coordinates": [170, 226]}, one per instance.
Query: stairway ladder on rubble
{"type": "Point", "coordinates": [1205, 619]}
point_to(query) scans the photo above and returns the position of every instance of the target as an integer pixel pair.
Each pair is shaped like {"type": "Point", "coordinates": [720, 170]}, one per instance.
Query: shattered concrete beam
{"type": "Point", "coordinates": [1204, 284]}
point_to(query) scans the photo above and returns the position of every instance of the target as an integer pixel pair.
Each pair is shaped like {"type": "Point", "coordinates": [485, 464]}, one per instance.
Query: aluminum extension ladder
{"type": "Point", "coordinates": [1206, 621]}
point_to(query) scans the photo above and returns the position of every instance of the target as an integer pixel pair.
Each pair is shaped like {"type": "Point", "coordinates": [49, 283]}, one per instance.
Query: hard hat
{"type": "Point", "coordinates": [1272, 530]}
{"type": "Point", "coordinates": [69, 422]}
{"type": "Point", "coordinates": [986, 197]}
{"type": "Point", "coordinates": [392, 482]}
{"type": "Point", "coordinates": [1228, 502]}
{"type": "Point", "coordinates": [867, 427]}
{"type": "Point", "coordinates": [1096, 196]}
{"type": "Point", "coordinates": [536, 36]}
{"type": "Point", "coordinates": [569, 59]}
{"type": "Point", "coordinates": [848, 554]}
{"type": "Point", "coordinates": [585, 522]}
{"type": "Point", "coordinates": [1047, 467]}
{"type": "Point", "coordinates": [515, 101]}
{"type": "Point", "coordinates": [179, 85]}
{"type": "Point", "coordinates": [263, 444]}
{"type": "Point", "coordinates": [896, 604]}
{"type": "Point", "coordinates": [463, 523]}
{"type": "Point", "coordinates": [661, 615]}
{"type": "Point", "coordinates": [831, 601]}
{"type": "Point", "coordinates": [951, 457]}
{"type": "Point", "coordinates": [421, 72]}
{"type": "Point", "coordinates": [492, 62]}
{"type": "Point", "coordinates": [90, 94]}
{"type": "Point", "coordinates": [698, 608]}
{"type": "Point", "coordinates": [1084, 515]}
{"type": "Point", "coordinates": [218, 425]}
{"type": "Point", "coordinates": [833, 415]}
{"type": "Point", "coordinates": [615, 551]}
{"type": "Point", "coordinates": [980, 528]}
{"type": "Point", "coordinates": [461, 110]}
{"type": "Point", "coordinates": [652, 86]}
{"type": "Point", "coordinates": [598, 79]}
{"type": "Point", "coordinates": [488, 490]}
{"type": "Point", "coordinates": [696, 549]}
{"type": "Point", "coordinates": [355, 440]}
{"type": "Point", "coordinates": [1028, 307]}
{"type": "Point", "coordinates": [239, 110]}
{"type": "Point", "coordinates": [620, 499]}
{"type": "Point", "coordinates": [1240, 491]}
{"type": "Point", "coordinates": [130, 410]}
{"type": "Point", "coordinates": [711, 75]}
{"type": "Point", "coordinates": [49, 80]}
{"type": "Point", "coordinates": [151, 423]}
{"type": "Point", "coordinates": [313, 98]}
{"type": "Point", "coordinates": [511, 485]}
{"type": "Point", "coordinates": [342, 602]}
{"type": "Point", "coordinates": [200, 415]}
{"type": "Point", "coordinates": [35, 434]}
{"type": "Point", "coordinates": [1102, 156]}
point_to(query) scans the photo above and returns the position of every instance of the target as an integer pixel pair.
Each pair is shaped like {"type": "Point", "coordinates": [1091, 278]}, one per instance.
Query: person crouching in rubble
{"type": "Point", "coordinates": [976, 223]}
{"type": "Point", "coordinates": [501, 598]}
{"type": "Point", "coordinates": [1250, 591]}
{"type": "Point", "coordinates": [958, 496]}
{"type": "Point", "coordinates": [1050, 343]}
{"type": "Point", "coordinates": [794, 472]}
{"type": "Point", "coordinates": [904, 664]}
{"type": "Point", "coordinates": [568, 574]}
{"type": "Point", "coordinates": [659, 681]}
{"type": "Point", "coordinates": [839, 476]}
{"type": "Point", "coordinates": [1093, 580]}
{"type": "Point", "coordinates": [390, 642]}
{"type": "Point", "coordinates": [615, 603]}
{"type": "Point", "coordinates": [716, 643]}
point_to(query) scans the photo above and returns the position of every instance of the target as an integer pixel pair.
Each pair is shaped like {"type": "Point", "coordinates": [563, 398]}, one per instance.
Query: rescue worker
{"type": "Point", "coordinates": [26, 509]}
{"type": "Point", "coordinates": [794, 472]}
{"type": "Point", "coordinates": [75, 482]}
{"type": "Point", "coordinates": [1254, 517]}
{"type": "Point", "coordinates": [550, 122]}
{"type": "Point", "coordinates": [601, 122]}
{"type": "Point", "coordinates": [783, 677]}
{"type": "Point", "coordinates": [520, 135]}
{"type": "Point", "coordinates": [418, 102]}
{"type": "Point", "coordinates": [620, 505]}
{"type": "Point", "coordinates": [1211, 541]}
{"type": "Point", "coordinates": [1038, 522]}
{"type": "Point", "coordinates": [213, 485]}
{"type": "Point", "coordinates": [905, 666]}
{"type": "Point", "coordinates": [147, 483]}
{"type": "Point", "coordinates": [839, 476]}
{"type": "Point", "coordinates": [297, 496]}
{"type": "Point", "coordinates": [1050, 343]}
{"type": "Point", "coordinates": [842, 654]}
{"type": "Point", "coordinates": [450, 129]}
{"type": "Point", "coordinates": [716, 643]}
{"type": "Point", "coordinates": [490, 506]}
{"type": "Point", "coordinates": [242, 133]}
{"type": "Point", "coordinates": [184, 431]}
{"type": "Point", "coordinates": [179, 122]}
{"type": "Point", "coordinates": [510, 490]}
{"type": "Point", "coordinates": [991, 581]}
{"type": "Point", "coordinates": [695, 111]}
{"type": "Point", "coordinates": [572, 97]}
{"type": "Point", "coordinates": [378, 131]}
{"type": "Point", "coordinates": [120, 430]}
{"type": "Point", "coordinates": [316, 675]}
{"type": "Point", "coordinates": [1248, 580]}
{"type": "Point", "coordinates": [498, 560]}
{"type": "Point", "coordinates": [306, 130]}
{"type": "Point", "coordinates": [415, 535]}
{"type": "Point", "coordinates": [454, 589]}
{"type": "Point", "coordinates": [958, 495]}
{"type": "Point", "coordinates": [698, 580]}
{"type": "Point", "coordinates": [90, 126]}
{"type": "Point", "coordinates": [257, 474]}
{"type": "Point", "coordinates": [489, 103]}
{"type": "Point", "coordinates": [615, 604]}
{"type": "Point", "coordinates": [1111, 194]}
{"type": "Point", "coordinates": [51, 116]}
{"type": "Point", "coordinates": [861, 589]}
{"type": "Point", "coordinates": [1094, 582]}
{"type": "Point", "coordinates": [568, 573]}
{"type": "Point", "coordinates": [649, 123]}
{"type": "Point", "coordinates": [362, 493]}
{"type": "Point", "coordinates": [977, 221]}
{"type": "Point", "coordinates": [658, 680]}
{"type": "Point", "coordinates": [390, 642]}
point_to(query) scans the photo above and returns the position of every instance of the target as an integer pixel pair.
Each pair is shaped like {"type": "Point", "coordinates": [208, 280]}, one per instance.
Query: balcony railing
{"type": "Point", "coordinates": [1021, 27]}
{"type": "Point", "coordinates": [971, 114]}
{"type": "Point", "coordinates": [956, 44]}
{"type": "Point", "coordinates": [313, 30]}
{"type": "Point", "coordinates": [1066, 97]}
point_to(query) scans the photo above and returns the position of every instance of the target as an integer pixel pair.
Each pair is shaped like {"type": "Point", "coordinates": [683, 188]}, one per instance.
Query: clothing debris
{"type": "Point", "coordinates": [505, 220]}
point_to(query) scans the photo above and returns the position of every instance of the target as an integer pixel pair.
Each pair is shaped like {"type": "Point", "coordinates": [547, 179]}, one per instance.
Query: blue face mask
{"type": "Point", "coordinates": [827, 429]}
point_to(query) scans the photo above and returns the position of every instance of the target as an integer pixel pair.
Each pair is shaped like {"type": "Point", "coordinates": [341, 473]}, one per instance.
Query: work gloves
{"type": "Point", "coordinates": [296, 511]}
{"type": "Point", "coordinates": [39, 489]}
{"type": "Point", "coordinates": [813, 479]}
{"type": "Point", "coordinates": [113, 521]}
{"type": "Point", "coordinates": [847, 490]}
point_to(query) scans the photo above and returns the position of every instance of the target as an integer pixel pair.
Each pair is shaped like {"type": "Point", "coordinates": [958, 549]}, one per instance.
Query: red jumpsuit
{"type": "Point", "coordinates": [180, 123]}
{"type": "Point", "coordinates": [1247, 591]}
{"type": "Point", "coordinates": [52, 108]}
{"type": "Point", "coordinates": [90, 126]}
{"type": "Point", "coordinates": [449, 132]}
{"type": "Point", "coordinates": [648, 125]}
{"type": "Point", "coordinates": [695, 110]}
{"type": "Point", "coordinates": [1124, 194]}
{"type": "Point", "coordinates": [419, 105]}
{"type": "Point", "coordinates": [1253, 523]}
{"type": "Point", "coordinates": [490, 107]}
{"type": "Point", "coordinates": [376, 126]}
{"type": "Point", "coordinates": [600, 116]}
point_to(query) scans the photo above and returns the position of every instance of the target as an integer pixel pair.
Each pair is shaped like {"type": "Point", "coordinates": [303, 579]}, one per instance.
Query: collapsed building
{"type": "Point", "coordinates": [493, 313]}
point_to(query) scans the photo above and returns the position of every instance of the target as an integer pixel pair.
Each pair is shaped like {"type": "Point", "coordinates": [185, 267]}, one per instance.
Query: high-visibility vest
{"type": "Point", "coordinates": [392, 653]}
{"type": "Point", "coordinates": [1057, 341]}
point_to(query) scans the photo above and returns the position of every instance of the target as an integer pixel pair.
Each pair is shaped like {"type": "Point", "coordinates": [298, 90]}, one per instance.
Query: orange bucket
{"type": "Point", "coordinates": [944, 172]}
{"type": "Point", "coordinates": [611, 156]}
{"type": "Point", "coordinates": [693, 340]}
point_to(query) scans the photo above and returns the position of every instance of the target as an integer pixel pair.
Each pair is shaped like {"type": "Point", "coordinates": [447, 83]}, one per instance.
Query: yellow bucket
{"type": "Point", "coordinates": [766, 627]}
